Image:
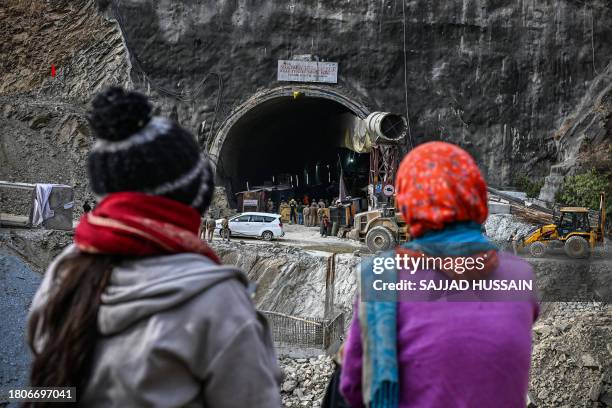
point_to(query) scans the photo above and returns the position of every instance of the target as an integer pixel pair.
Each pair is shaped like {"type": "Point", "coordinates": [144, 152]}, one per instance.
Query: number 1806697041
{"type": "Point", "coordinates": [43, 394]}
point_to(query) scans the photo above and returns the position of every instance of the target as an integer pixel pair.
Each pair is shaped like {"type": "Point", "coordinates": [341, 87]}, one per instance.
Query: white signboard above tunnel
{"type": "Point", "coordinates": [308, 71]}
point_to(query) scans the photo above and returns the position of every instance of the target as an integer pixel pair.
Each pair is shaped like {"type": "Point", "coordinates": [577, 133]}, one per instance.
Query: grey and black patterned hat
{"type": "Point", "coordinates": [135, 152]}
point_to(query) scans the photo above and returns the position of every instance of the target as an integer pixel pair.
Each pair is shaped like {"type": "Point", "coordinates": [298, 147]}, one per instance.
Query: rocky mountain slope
{"type": "Point", "coordinates": [584, 141]}
{"type": "Point", "coordinates": [501, 78]}
{"type": "Point", "coordinates": [45, 137]}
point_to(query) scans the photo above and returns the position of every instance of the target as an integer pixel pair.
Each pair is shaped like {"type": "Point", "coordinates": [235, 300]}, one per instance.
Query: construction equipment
{"type": "Point", "coordinates": [381, 229]}
{"type": "Point", "coordinates": [572, 230]}
{"type": "Point", "coordinates": [380, 135]}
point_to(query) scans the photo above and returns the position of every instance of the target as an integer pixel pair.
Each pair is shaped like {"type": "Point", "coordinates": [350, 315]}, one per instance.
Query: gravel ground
{"type": "Point", "coordinates": [18, 283]}
{"type": "Point", "coordinates": [307, 238]}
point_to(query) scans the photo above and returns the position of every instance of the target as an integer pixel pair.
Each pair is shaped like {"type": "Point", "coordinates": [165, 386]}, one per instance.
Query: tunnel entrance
{"type": "Point", "coordinates": [292, 140]}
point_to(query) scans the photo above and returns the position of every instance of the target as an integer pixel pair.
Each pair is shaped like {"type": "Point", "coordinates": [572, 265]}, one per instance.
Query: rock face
{"type": "Point", "coordinates": [43, 141]}
{"type": "Point", "coordinates": [45, 136]}
{"type": "Point", "coordinates": [293, 281]}
{"type": "Point", "coordinates": [86, 49]}
{"type": "Point", "coordinates": [498, 78]}
{"type": "Point", "coordinates": [585, 138]}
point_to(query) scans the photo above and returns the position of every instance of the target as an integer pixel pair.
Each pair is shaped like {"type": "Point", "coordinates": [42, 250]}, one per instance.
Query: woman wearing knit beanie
{"type": "Point", "coordinates": [138, 312]}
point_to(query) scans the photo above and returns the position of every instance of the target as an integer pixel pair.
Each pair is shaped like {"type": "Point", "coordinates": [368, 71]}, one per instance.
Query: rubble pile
{"type": "Point", "coordinates": [572, 356]}
{"type": "Point", "coordinates": [501, 227]}
{"type": "Point", "coordinates": [305, 380]}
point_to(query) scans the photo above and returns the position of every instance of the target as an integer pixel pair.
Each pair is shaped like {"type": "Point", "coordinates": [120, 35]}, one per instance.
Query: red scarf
{"type": "Point", "coordinates": [137, 224]}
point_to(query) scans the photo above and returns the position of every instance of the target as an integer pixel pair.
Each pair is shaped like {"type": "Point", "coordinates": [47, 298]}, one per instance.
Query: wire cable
{"type": "Point", "coordinates": [410, 141]}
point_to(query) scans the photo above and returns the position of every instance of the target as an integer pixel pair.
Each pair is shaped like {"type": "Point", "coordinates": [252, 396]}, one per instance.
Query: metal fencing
{"type": "Point", "coordinates": [305, 333]}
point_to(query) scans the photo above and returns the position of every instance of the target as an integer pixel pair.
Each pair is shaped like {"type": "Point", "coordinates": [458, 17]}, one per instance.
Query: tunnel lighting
{"type": "Point", "coordinates": [297, 180]}
{"type": "Point", "coordinates": [273, 179]}
{"type": "Point", "coordinates": [306, 178]}
{"type": "Point", "coordinates": [247, 185]}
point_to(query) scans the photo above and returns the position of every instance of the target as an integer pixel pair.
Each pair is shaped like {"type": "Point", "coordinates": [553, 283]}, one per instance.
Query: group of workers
{"type": "Point", "coordinates": [310, 216]}
{"type": "Point", "coordinates": [300, 212]}
{"type": "Point", "coordinates": [208, 225]}
{"type": "Point", "coordinates": [141, 312]}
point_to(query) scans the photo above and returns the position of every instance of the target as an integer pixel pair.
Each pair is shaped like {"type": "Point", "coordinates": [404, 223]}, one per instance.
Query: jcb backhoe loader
{"type": "Point", "coordinates": [572, 231]}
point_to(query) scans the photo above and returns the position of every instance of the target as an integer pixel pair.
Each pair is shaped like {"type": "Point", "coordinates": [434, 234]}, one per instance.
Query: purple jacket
{"type": "Point", "coordinates": [456, 354]}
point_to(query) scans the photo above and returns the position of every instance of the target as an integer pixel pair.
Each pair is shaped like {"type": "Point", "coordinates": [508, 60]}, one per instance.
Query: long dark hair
{"type": "Point", "coordinates": [63, 334]}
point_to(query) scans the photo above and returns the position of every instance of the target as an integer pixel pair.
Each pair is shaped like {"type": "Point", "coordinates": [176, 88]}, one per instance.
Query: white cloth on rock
{"type": "Point", "coordinates": [42, 210]}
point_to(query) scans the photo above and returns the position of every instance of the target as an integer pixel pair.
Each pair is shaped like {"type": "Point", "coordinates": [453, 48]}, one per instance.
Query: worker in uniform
{"type": "Point", "coordinates": [313, 214]}
{"type": "Point", "coordinates": [202, 229]}
{"type": "Point", "coordinates": [324, 227]}
{"type": "Point", "coordinates": [321, 203]}
{"type": "Point", "coordinates": [210, 227]}
{"type": "Point", "coordinates": [300, 208]}
{"type": "Point", "coordinates": [513, 241]}
{"type": "Point", "coordinates": [225, 231]}
{"type": "Point", "coordinates": [306, 215]}
{"type": "Point", "coordinates": [293, 211]}
{"type": "Point", "coordinates": [270, 205]}
{"type": "Point", "coordinates": [320, 215]}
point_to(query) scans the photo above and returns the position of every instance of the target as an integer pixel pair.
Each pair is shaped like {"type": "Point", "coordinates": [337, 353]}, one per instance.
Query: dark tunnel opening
{"type": "Point", "coordinates": [294, 142]}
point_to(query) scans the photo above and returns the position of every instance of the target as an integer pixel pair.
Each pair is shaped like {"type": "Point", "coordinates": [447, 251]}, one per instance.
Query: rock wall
{"type": "Point", "coordinates": [291, 280]}
{"type": "Point", "coordinates": [584, 141]}
{"type": "Point", "coordinates": [497, 77]}
{"type": "Point", "coordinates": [86, 49]}
{"type": "Point", "coordinates": [45, 137]}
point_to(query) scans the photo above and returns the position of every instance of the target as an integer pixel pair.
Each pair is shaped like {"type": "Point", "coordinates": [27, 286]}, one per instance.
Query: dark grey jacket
{"type": "Point", "coordinates": [179, 331]}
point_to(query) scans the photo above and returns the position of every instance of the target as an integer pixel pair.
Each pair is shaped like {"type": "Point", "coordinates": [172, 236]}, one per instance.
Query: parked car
{"type": "Point", "coordinates": [255, 224]}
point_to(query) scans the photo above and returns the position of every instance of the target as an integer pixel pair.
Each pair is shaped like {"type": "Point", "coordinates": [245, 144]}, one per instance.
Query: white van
{"type": "Point", "coordinates": [255, 224]}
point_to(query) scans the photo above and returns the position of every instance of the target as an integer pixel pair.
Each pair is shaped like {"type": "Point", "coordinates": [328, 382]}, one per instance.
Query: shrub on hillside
{"type": "Point", "coordinates": [582, 190]}
{"type": "Point", "coordinates": [530, 187]}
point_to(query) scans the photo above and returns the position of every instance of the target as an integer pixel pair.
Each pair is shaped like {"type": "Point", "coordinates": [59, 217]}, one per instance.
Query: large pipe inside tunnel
{"type": "Point", "coordinates": [302, 142]}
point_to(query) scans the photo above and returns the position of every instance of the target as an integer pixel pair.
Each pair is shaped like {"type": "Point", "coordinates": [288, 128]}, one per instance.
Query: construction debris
{"type": "Point", "coordinates": [572, 356]}
{"type": "Point", "coordinates": [305, 381]}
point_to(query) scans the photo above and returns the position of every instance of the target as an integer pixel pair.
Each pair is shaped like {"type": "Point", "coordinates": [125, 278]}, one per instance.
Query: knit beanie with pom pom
{"type": "Point", "coordinates": [137, 152]}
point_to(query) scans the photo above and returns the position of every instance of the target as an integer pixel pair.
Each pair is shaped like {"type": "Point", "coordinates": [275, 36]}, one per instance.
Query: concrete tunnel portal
{"type": "Point", "coordinates": [290, 136]}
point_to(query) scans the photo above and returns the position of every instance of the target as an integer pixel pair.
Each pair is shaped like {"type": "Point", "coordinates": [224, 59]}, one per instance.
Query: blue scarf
{"type": "Point", "coordinates": [379, 317]}
{"type": "Point", "coordinates": [458, 239]}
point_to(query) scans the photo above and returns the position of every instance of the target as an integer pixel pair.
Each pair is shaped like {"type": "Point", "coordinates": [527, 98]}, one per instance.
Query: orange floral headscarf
{"type": "Point", "coordinates": [437, 184]}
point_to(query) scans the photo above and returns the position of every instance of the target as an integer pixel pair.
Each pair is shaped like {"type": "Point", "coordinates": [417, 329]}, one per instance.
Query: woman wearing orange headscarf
{"type": "Point", "coordinates": [441, 348]}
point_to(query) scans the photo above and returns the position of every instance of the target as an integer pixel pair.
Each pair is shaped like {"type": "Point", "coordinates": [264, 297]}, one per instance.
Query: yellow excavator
{"type": "Point", "coordinates": [573, 231]}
